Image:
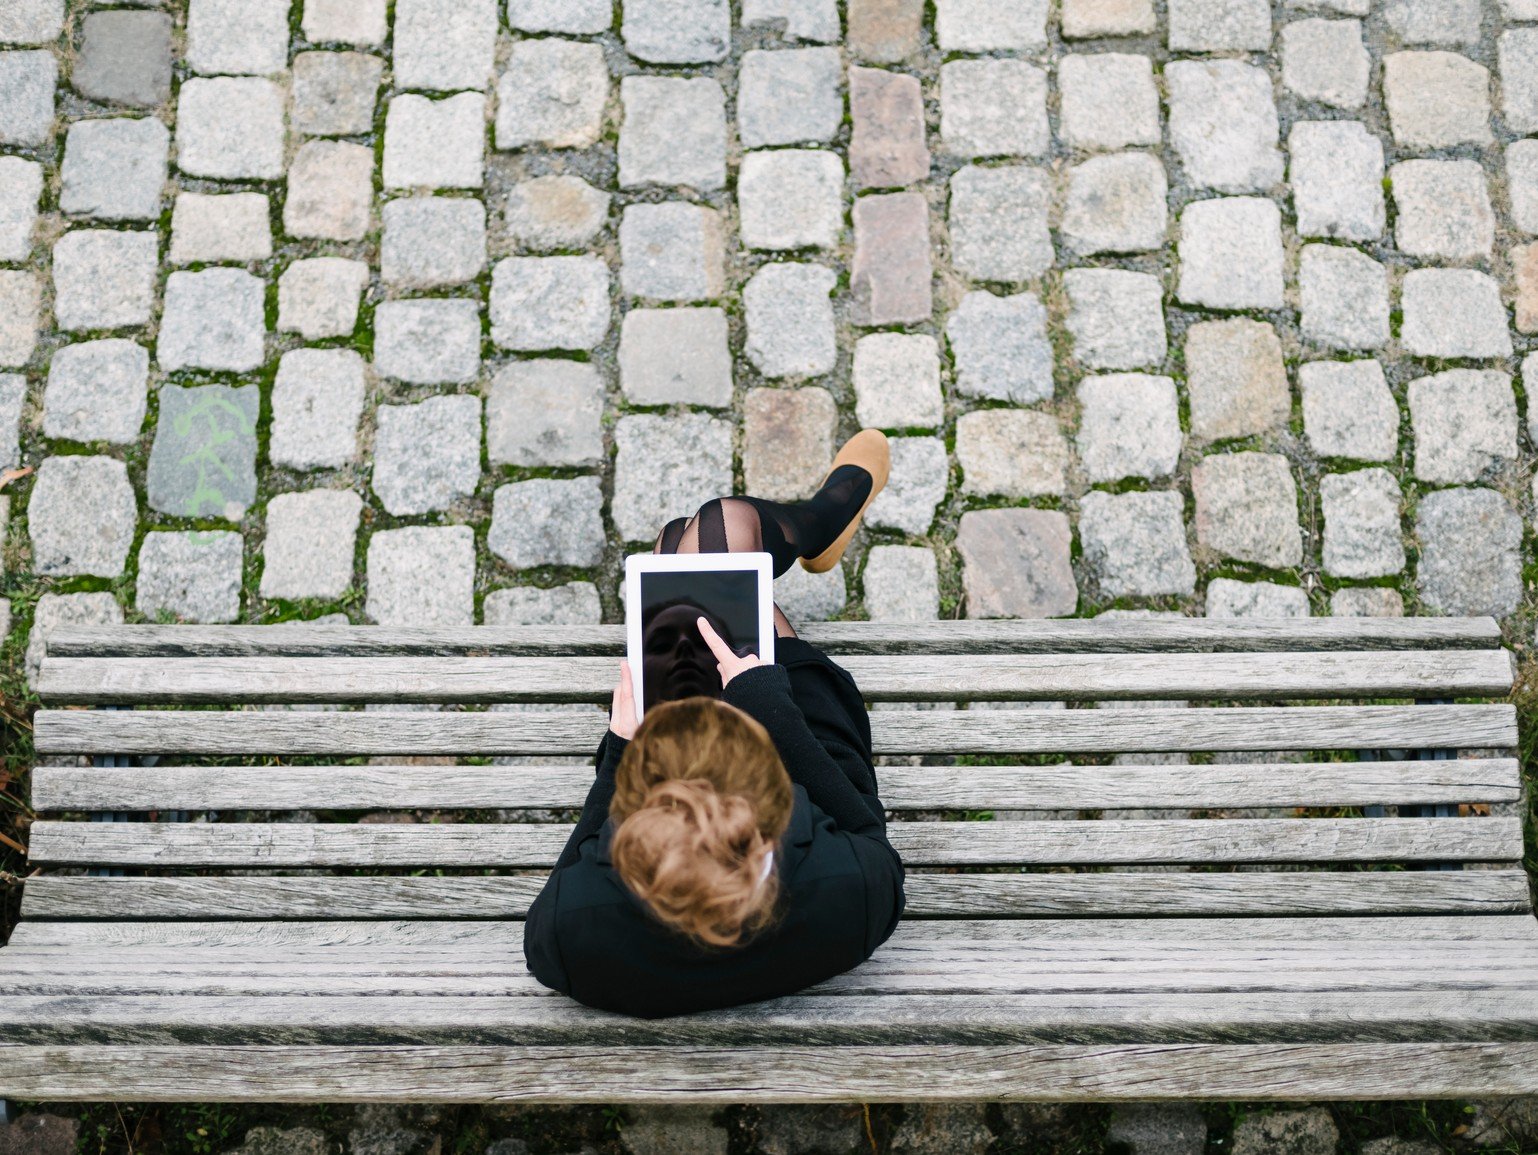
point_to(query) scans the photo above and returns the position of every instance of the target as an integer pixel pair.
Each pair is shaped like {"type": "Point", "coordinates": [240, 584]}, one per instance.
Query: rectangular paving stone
{"type": "Point", "coordinates": [1223, 124]}
{"type": "Point", "coordinates": [1000, 347]}
{"type": "Point", "coordinates": [230, 128]}
{"type": "Point", "coordinates": [55, 610]}
{"type": "Point", "coordinates": [672, 252]}
{"type": "Point", "coordinates": [1227, 598]}
{"type": "Point", "coordinates": [13, 397]}
{"type": "Point", "coordinates": [913, 493]}
{"type": "Point", "coordinates": [540, 303]}
{"type": "Point", "coordinates": [1344, 297]}
{"type": "Point", "coordinates": [887, 147]}
{"type": "Point", "coordinates": [435, 143]}
{"type": "Point", "coordinates": [330, 191]}
{"type": "Point", "coordinates": [428, 342]}
{"type": "Point", "coordinates": [579, 17]}
{"type": "Point", "coordinates": [552, 92]}
{"type": "Point", "coordinates": [1445, 23]}
{"type": "Point", "coordinates": [361, 23]}
{"type": "Point", "coordinates": [1465, 423]}
{"type": "Point", "coordinates": [998, 219]}
{"type": "Point", "coordinates": [1519, 85]}
{"type": "Point", "coordinates": [547, 521]}
{"type": "Point", "coordinates": [1362, 534]}
{"type": "Point", "coordinates": [334, 93]}
{"type": "Point", "coordinates": [674, 132]}
{"type": "Point", "coordinates": [902, 584]}
{"type": "Point", "coordinates": [891, 279]}
{"type": "Point", "coordinates": [1367, 602]}
{"type": "Point", "coordinates": [1089, 19]}
{"type": "Point", "coordinates": [1011, 453]}
{"type": "Point", "coordinates": [239, 37]}
{"type": "Point", "coordinates": [1247, 508]}
{"type": "Point", "coordinates": [990, 25]}
{"type": "Point", "coordinates": [20, 302]}
{"type": "Point", "coordinates": [220, 227]}
{"type": "Point", "coordinates": [81, 517]}
{"type": "Point", "coordinates": [444, 45]}
{"type": "Point", "coordinates": [1230, 253]}
{"type": "Point", "coordinates": [422, 576]}
{"type": "Point", "coordinates": [1016, 563]}
{"type": "Point", "coordinates": [677, 31]}
{"type": "Point", "coordinates": [1135, 543]}
{"type": "Point", "coordinates": [1116, 204]}
{"type": "Point", "coordinates": [308, 550]}
{"type": "Point", "coordinates": [1524, 271]}
{"type": "Point", "coordinates": [318, 297]}
{"type": "Point", "coordinates": [667, 467]}
{"type": "Point", "coordinates": [1442, 209]}
{"type": "Point", "coordinates": [545, 412]}
{"type": "Point", "coordinates": [1108, 100]}
{"type": "Point", "coordinates": [885, 31]}
{"type": "Point", "coordinates": [124, 58]}
{"type": "Point", "coordinates": [105, 279]}
{"type": "Point", "coordinates": [1336, 174]}
{"type": "Point", "coordinates": [1219, 25]}
{"type": "Point", "coordinates": [787, 441]}
{"type": "Point", "coordinates": [789, 97]}
{"type": "Point", "coordinates": [203, 461]}
{"type": "Point", "coordinates": [27, 81]}
{"type": "Point", "coordinates": [21, 186]}
{"type": "Point", "coordinates": [1453, 313]}
{"type": "Point", "coordinates": [430, 242]}
{"type": "Point", "coordinates": [676, 356]}
{"type": "Point", "coordinates": [993, 108]}
{"type": "Point", "coordinates": [114, 170]}
{"type": "Point", "coordinates": [1436, 99]}
{"type": "Point", "coordinates": [572, 604]}
{"type": "Point", "coordinates": [317, 399]}
{"type": "Point", "coordinates": [1522, 185]}
{"type": "Point", "coordinates": [427, 456]}
{"type": "Point", "coordinates": [814, 20]}
{"type": "Point", "coordinates": [1348, 410]}
{"type": "Point", "coordinates": [213, 319]}
{"type": "Point", "coordinates": [190, 577]}
{"type": "Point", "coordinates": [897, 381]}
{"type": "Point", "coordinates": [1116, 318]}
{"type": "Point", "coordinates": [790, 320]}
{"type": "Point", "coordinates": [1470, 552]}
{"type": "Point", "coordinates": [31, 21]}
{"type": "Point", "coordinates": [1129, 426]}
{"type": "Point", "coordinates": [1326, 61]}
{"type": "Point", "coordinates": [97, 391]}
{"type": "Point", "coordinates": [1236, 379]}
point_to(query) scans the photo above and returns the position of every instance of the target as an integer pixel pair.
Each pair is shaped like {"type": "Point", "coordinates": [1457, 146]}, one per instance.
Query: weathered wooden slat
{"type": "Point", "coordinates": [216, 732]}
{"type": "Point", "coordinates": [975, 637]}
{"type": "Point", "coordinates": [1110, 894]}
{"type": "Point", "coordinates": [1046, 843]}
{"type": "Point", "coordinates": [1351, 674]}
{"type": "Point", "coordinates": [1066, 787]}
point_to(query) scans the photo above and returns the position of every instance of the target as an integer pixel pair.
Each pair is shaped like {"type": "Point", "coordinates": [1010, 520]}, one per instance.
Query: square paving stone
{"type": "Point", "coordinates": [1109, 100]}
{"type": "Point", "coordinates": [1348, 410]}
{"type": "Point", "coordinates": [545, 412]}
{"type": "Point", "coordinates": [897, 382]}
{"type": "Point", "coordinates": [97, 391]}
{"type": "Point", "coordinates": [430, 242]}
{"type": "Point", "coordinates": [572, 604]}
{"type": "Point", "coordinates": [1453, 313]}
{"type": "Point", "coordinates": [213, 319]}
{"type": "Point", "coordinates": [920, 476]}
{"type": "Point", "coordinates": [203, 461]}
{"type": "Point", "coordinates": [1442, 209]}
{"type": "Point", "coordinates": [20, 302]}
{"type": "Point", "coordinates": [885, 31]}
{"type": "Point", "coordinates": [1470, 553]}
{"type": "Point", "coordinates": [891, 280]}
{"type": "Point", "coordinates": [1016, 563]}
{"type": "Point", "coordinates": [317, 399]}
{"type": "Point", "coordinates": [1219, 25]}
{"type": "Point", "coordinates": [55, 610]}
{"type": "Point", "coordinates": [1367, 602]}
{"type": "Point", "coordinates": [31, 21]}
{"type": "Point", "coordinates": [334, 93]}
{"type": "Point", "coordinates": [887, 145]}
{"type": "Point", "coordinates": [540, 303]}
{"type": "Point", "coordinates": [548, 522]}
{"type": "Point", "coordinates": [552, 93]}
{"type": "Point", "coordinates": [311, 537]}
{"type": "Point", "coordinates": [993, 108]}
{"type": "Point", "coordinates": [21, 186]}
{"type": "Point", "coordinates": [114, 170]}
{"type": "Point", "coordinates": [245, 37]}
{"type": "Point", "coordinates": [1129, 426]}
{"type": "Point", "coordinates": [787, 441]}
{"type": "Point", "coordinates": [998, 219]}
{"type": "Point", "coordinates": [1135, 543]}
{"type": "Point", "coordinates": [809, 597]}
{"type": "Point", "coordinates": [1000, 347]}
{"type": "Point", "coordinates": [1223, 124]}
{"type": "Point", "coordinates": [1091, 19]}
{"type": "Point", "coordinates": [27, 81]}
{"type": "Point", "coordinates": [361, 23]}
{"type": "Point", "coordinates": [1326, 61]}
{"type": "Point", "coordinates": [676, 357]}
{"type": "Point", "coordinates": [791, 199]}
{"type": "Point", "coordinates": [422, 576]}
{"type": "Point", "coordinates": [1230, 254]}
{"type": "Point", "coordinates": [1465, 423]}
{"type": "Point", "coordinates": [1116, 318]}
{"type": "Point", "coordinates": [674, 132]}
{"type": "Point", "coordinates": [105, 279]}
{"type": "Point", "coordinates": [555, 212]}
{"type": "Point", "coordinates": [582, 17]}
{"type": "Point", "coordinates": [815, 20]}
{"type": "Point", "coordinates": [428, 342]}
{"type": "Point", "coordinates": [81, 516]}
{"type": "Point", "coordinates": [672, 252]}
{"type": "Point", "coordinates": [318, 297]}
{"type": "Point", "coordinates": [990, 25]}
{"type": "Point", "coordinates": [902, 584]}
{"type": "Point", "coordinates": [1247, 508]}
{"type": "Point", "coordinates": [1519, 86]}
{"type": "Point", "coordinates": [677, 31]}
{"type": "Point", "coordinates": [443, 45]}
{"type": "Point", "coordinates": [124, 58]}
{"type": "Point", "coordinates": [435, 143]}
{"type": "Point", "coordinates": [230, 128]}
{"type": "Point", "coordinates": [1337, 180]}
{"type": "Point", "coordinates": [427, 455]}
{"type": "Point", "coordinates": [225, 227]}
{"type": "Point", "coordinates": [1436, 99]}
{"type": "Point", "coordinates": [667, 467]}
{"type": "Point", "coordinates": [1363, 537]}
{"type": "Point", "coordinates": [1522, 184]}
{"type": "Point", "coordinates": [1011, 453]}
{"type": "Point", "coordinates": [1235, 379]}
{"type": "Point", "coordinates": [789, 97]}
{"type": "Point", "coordinates": [1438, 22]}
{"type": "Point", "coordinates": [1345, 298]}
{"type": "Point", "coordinates": [1227, 598]}
{"type": "Point", "coordinates": [1116, 204]}
{"type": "Point", "coordinates": [789, 311]}
{"type": "Point", "coordinates": [330, 191]}
{"type": "Point", "coordinates": [190, 577]}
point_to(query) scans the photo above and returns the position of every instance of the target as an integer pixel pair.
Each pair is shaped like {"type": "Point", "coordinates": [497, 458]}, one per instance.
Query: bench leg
{"type": "Point", "coordinates": [7, 1113]}
{"type": "Point", "coordinates": [123, 815]}
{"type": "Point", "coordinates": [1420, 810]}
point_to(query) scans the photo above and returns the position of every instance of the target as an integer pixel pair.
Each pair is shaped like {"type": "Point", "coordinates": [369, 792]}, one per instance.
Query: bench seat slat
{"type": "Point", "coordinates": [1045, 843]}
{"type": "Point", "coordinates": [1109, 894]}
{"type": "Point", "coordinates": [1414, 674]}
{"type": "Point", "coordinates": [210, 732]}
{"type": "Point", "coordinates": [1066, 787]}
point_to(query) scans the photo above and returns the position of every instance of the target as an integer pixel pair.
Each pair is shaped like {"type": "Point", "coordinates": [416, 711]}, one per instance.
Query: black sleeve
{"type": "Point", "coordinates": [827, 769]}
{"type": "Point", "coordinates": [541, 948]}
{"type": "Point", "coordinates": [595, 810]}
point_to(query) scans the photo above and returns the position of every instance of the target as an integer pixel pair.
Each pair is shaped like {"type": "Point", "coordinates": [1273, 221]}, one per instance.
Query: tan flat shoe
{"type": "Point", "coordinates": [869, 450]}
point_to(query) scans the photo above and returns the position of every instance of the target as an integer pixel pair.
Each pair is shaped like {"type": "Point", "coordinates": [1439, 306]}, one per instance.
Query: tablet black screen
{"type": "Point", "coordinates": [678, 663]}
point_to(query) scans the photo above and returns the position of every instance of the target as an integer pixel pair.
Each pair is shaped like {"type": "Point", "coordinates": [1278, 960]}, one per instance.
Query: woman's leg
{"type": "Point", "coordinates": [730, 525]}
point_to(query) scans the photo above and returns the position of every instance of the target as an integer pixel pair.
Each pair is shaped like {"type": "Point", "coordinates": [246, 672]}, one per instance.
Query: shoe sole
{"type": "Point", "coordinates": [869, 450]}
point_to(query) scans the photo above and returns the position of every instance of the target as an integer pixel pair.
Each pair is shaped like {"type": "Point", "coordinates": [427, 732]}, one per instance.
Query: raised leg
{"type": "Point", "coordinates": [728, 525]}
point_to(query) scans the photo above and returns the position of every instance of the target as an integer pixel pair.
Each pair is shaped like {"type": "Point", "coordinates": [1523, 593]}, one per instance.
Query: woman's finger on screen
{"type": "Point", "coordinates": [718, 647]}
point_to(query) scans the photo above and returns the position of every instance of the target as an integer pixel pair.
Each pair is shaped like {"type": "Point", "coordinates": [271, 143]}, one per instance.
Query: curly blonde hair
{"type": "Point", "coordinates": [701, 797]}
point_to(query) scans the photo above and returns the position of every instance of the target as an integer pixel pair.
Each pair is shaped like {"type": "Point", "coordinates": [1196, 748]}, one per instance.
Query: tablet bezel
{"type": "Point", "coordinates": [638, 564]}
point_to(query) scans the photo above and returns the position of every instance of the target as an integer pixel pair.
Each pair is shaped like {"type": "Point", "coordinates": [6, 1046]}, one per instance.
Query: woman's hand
{"type": "Point", "coordinates": [622, 716]}
{"type": "Point", "coordinates": [728, 662]}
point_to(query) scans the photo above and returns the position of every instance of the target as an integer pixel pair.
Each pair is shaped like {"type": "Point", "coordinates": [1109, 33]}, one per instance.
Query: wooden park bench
{"type": "Point", "coordinates": [1377, 941]}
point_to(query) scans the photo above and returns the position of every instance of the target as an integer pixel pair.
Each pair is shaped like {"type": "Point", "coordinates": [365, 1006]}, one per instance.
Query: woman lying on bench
{"type": "Point", "coordinates": [733, 846]}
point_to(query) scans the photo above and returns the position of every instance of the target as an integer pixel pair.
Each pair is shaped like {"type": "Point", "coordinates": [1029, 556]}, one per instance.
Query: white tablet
{"type": "Point", "coordinates": [665, 594]}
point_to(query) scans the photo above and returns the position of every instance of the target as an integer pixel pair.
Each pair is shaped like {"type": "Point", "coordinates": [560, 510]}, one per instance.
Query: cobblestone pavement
{"type": "Point", "coordinates": [428, 314]}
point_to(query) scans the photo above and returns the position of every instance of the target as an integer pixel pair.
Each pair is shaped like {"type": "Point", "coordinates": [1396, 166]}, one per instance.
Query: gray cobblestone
{"type": "Point", "coordinates": [21, 186]}
{"type": "Point", "coordinates": [430, 242]}
{"type": "Point", "coordinates": [572, 604]}
{"type": "Point", "coordinates": [243, 37]}
{"type": "Point", "coordinates": [1000, 347]}
{"type": "Point", "coordinates": [552, 93]}
{"type": "Point", "coordinates": [998, 220]}
{"type": "Point", "coordinates": [1344, 297]}
{"type": "Point", "coordinates": [815, 20]}
{"type": "Point", "coordinates": [990, 25]}
{"type": "Point", "coordinates": [1108, 100]}
{"type": "Point", "coordinates": [1362, 534]}
{"type": "Point", "coordinates": [676, 356]}
{"type": "Point", "coordinates": [308, 550]}
{"type": "Point", "coordinates": [114, 170]}
{"type": "Point", "coordinates": [1326, 61]}
{"type": "Point", "coordinates": [672, 252]}
{"type": "Point", "coordinates": [1444, 23]}
{"type": "Point", "coordinates": [31, 21]}
{"type": "Point", "coordinates": [230, 128]}
{"type": "Point", "coordinates": [1348, 410]}
{"type": "Point", "coordinates": [1236, 379]}
{"type": "Point", "coordinates": [1465, 423]}
{"type": "Point", "coordinates": [677, 31]}
{"type": "Point", "coordinates": [334, 93]}
{"type": "Point", "coordinates": [1453, 313]}
{"type": "Point", "coordinates": [1470, 560]}
{"type": "Point", "coordinates": [1519, 88]}
{"type": "Point", "coordinates": [1247, 508]}
{"type": "Point", "coordinates": [361, 23]}
{"type": "Point", "coordinates": [1089, 19]}
{"type": "Point", "coordinates": [1129, 426]}
{"type": "Point", "coordinates": [20, 301]}
{"type": "Point", "coordinates": [548, 522]}
{"type": "Point", "coordinates": [435, 143]}
{"type": "Point", "coordinates": [1016, 563]}
{"type": "Point", "coordinates": [1231, 254]}
{"type": "Point", "coordinates": [422, 576]}
{"type": "Point", "coordinates": [1135, 543]}
{"type": "Point", "coordinates": [790, 97]}
{"type": "Point", "coordinates": [920, 473]}
{"type": "Point", "coordinates": [667, 467]}
{"type": "Point", "coordinates": [790, 320]}
{"type": "Point", "coordinates": [1337, 180]}
{"type": "Point", "coordinates": [13, 399]}
{"type": "Point", "coordinates": [1436, 99]}
{"type": "Point", "coordinates": [27, 81]}
{"type": "Point", "coordinates": [429, 342]}
{"type": "Point", "coordinates": [809, 597]}
{"type": "Point", "coordinates": [81, 517]}
{"type": "Point", "coordinates": [1219, 25]}
{"type": "Point", "coordinates": [542, 303]}
{"type": "Point", "coordinates": [555, 212]}
{"type": "Point", "coordinates": [105, 279]}
{"type": "Point", "coordinates": [97, 391]}
{"type": "Point", "coordinates": [317, 399]}
{"type": "Point", "coordinates": [443, 45]}
{"type": "Point", "coordinates": [1116, 318]}
{"type": "Point", "coordinates": [1367, 602]}
{"type": "Point", "coordinates": [897, 381]}
{"type": "Point", "coordinates": [791, 199]}
{"type": "Point", "coordinates": [225, 227]}
{"type": "Point", "coordinates": [1227, 598]}
{"type": "Point", "coordinates": [190, 577]}
{"type": "Point", "coordinates": [203, 460]}
{"type": "Point", "coordinates": [55, 610]}
{"type": "Point", "coordinates": [581, 17]}
{"type": "Point", "coordinates": [125, 58]}
{"type": "Point", "coordinates": [902, 584]}
{"type": "Point", "coordinates": [427, 455]}
{"type": "Point", "coordinates": [1223, 124]}
{"type": "Point", "coordinates": [1116, 204]}
{"type": "Point", "coordinates": [318, 297]}
{"type": "Point", "coordinates": [674, 132]}
{"type": "Point", "coordinates": [1522, 184]}
{"type": "Point", "coordinates": [330, 191]}
{"type": "Point", "coordinates": [1442, 209]}
{"type": "Point", "coordinates": [545, 412]}
{"type": "Point", "coordinates": [1011, 453]}
{"type": "Point", "coordinates": [213, 319]}
{"type": "Point", "coordinates": [993, 107]}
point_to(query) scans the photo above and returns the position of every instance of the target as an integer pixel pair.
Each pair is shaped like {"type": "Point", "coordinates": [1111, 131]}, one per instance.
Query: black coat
{"type": "Point", "coordinates": [590, 937]}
